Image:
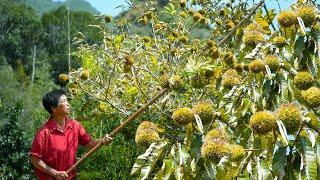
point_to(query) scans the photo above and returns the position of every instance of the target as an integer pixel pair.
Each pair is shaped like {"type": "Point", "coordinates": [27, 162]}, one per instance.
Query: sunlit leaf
{"type": "Point", "coordinates": [279, 160]}
{"type": "Point", "coordinates": [146, 162]}
{"type": "Point", "coordinates": [262, 22]}
{"type": "Point", "coordinates": [310, 160]}
{"type": "Point", "coordinates": [263, 170]}
{"type": "Point", "coordinates": [166, 170]}
{"type": "Point", "coordinates": [283, 131]}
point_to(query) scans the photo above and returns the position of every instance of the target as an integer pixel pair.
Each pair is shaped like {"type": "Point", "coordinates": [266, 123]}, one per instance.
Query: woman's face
{"type": "Point", "coordinates": [63, 107]}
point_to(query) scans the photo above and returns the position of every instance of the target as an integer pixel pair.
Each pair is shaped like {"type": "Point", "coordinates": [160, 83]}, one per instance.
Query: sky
{"type": "Point", "coordinates": [109, 6]}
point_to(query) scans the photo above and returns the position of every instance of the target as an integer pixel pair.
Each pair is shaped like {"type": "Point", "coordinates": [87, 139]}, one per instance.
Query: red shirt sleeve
{"type": "Point", "coordinates": [83, 138]}
{"type": "Point", "coordinates": [38, 144]}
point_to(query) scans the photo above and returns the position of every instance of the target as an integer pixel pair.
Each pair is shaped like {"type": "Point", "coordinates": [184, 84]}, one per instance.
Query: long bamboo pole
{"type": "Point", "coordinates": [119, 128]}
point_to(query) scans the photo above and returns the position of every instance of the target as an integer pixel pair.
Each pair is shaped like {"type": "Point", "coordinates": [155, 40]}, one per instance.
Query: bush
{"type": "Point", "coordinates": [14, 145]}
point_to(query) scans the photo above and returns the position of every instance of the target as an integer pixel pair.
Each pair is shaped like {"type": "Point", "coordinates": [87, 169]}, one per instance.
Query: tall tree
{"type": "Point", "coordinates": [17, 21]}
{"type": "Point", "coordinates": [55, 38]}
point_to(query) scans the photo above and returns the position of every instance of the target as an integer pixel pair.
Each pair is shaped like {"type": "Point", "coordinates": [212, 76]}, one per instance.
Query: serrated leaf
{"type": "Point", "coordinates": [314, 66]}
{"type": "Point", "coordinates": [166, 170]}
{"type": "Point", "coordinates": [310, 160]}
{"type": "Point", "coordinates": [226, 169]}
{"type": "Point", "coordinates": [302, 26]}
{"type": "Point", "coordinates": [245, 106]}
{"type": "Point", "coordinates": [199, 123]}
{"type": "Point", "coordinates": [170, 9]}
{"type": "Point", "coordinates": [266, 89]}
{"type": "Point", "coordinates": [283, 131]}
{"type": "Point", "coordinates": [312, 138]}
{"type": "Point", "coordinates": [279, 160]}
{"type": "Point", "coordinates": [146, 162]}
{"type": "Point", "coordinates": [193, 167]}
{"type": "Point", "coordinates": [318, 149]}
{"type": "Point", "coordinates": [160, 128]}
{"type": "Point", "coordinates": [270, 16]}
{"type": "Point", "coordinates": [262, 22]}
{"type": "Point", "coordinates": [264, 172]}
{"type": "Point", "coordinates": [154, 61]}
{"type": "Point", "coordinates": [119, 39]}
{"type": "Point", "coordinates": [184, 156]}
{"type": "Point", "coordinates": [171, 6]}
{"type": "Point", "coordinates": [95, 26]}
{"type": "Point", "coordinates": [210, 171]}
{"type": "Point", "coordinates": [243, 177]}
{"type": "Point", "coordinates": [268, 71]}
{"type": "Point", "coordinates": [254, 52]}
{"type": "Point", "coordinates": [179, 173]}
{"type": "Point", "coordinates": [299, 46]}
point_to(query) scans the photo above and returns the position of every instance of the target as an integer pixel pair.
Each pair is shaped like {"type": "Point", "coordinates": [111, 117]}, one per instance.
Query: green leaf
{"type": "Point", "coordinates": [299, 46]}
{"type": "Point", "coordinates": [184, 156]}
{"type": "Point", "coordinates": [318, 150]}
{"type": "Point", "coordinates": [302, 26]}
{"type": "Point", "coordinates": [170, 9]}
{"type": "Point", "coordinates": [119, 39]}
{"type": "Point", "coordinates": [310, 160]}
{"type": "Point", "coordinates": [179, 173]}
{"type": "Point", "coordinates": [166, 170]}
{"type": "Point", "coordinates": [312, 138]}
{"type": "Point", "coordinates": [226, 169]}
{"type": "Point", "coordinates": [210, 171]}
{"type": "Point", "coordinates": [270, 16]}
{"type": "Point", "coordinates": [263, 169]}
{"type": "Point", "coordinates": [245, 106]}
{"type": "Point", "coordinates": [283, 131]}
{"type": "Point", "coordinates": [132, 91]}
{"type": "Point", "coordinates": [199, 123]}
{"type": "Point", "coordinates": [279, 160]}
{"type": "Point", "coordinates": [262, 22]}
{"type": "Point", "coordinates": [267, 90]}
{"type": "Point", "coordinates": [243, 176]}
{"type": "Point", "coordinates": [146, 162]}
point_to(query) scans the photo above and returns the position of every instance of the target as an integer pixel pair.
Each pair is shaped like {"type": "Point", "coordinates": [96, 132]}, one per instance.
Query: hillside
{"type": "Point", "coordinates": [42, 6]}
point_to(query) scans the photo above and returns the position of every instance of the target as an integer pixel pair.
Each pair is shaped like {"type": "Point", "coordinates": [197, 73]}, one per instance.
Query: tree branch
{"type": "Point", "coordinates": [240, 23]}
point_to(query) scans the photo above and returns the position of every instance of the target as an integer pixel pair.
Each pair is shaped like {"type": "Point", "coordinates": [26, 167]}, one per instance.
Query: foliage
{"type": "Point", "coordinates": [133, 19]}
{"type": "Point", "coordinates": [17, 21]}
{"type": "Point", "coordinates": [55, 38]}
{"type": "Point", "coordinates": [112, 161]}
{"type": "Point", "coordinates": [21, 115]}
{"type": "Point", "coordinates": [14, 145]}
{"type": "Point", "coordinates": [7, 75]}
{"type": "Point", "coordinates": [260, 75]}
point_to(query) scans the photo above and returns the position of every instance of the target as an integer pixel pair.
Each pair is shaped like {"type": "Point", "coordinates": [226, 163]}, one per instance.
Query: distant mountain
{"type": "Point", "coordinates": [42, 6]}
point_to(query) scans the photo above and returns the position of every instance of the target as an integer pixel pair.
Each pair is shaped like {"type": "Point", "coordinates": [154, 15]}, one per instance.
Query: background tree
{"type": "Point", "coordinates": [14, 144]}
{"type": "Point", "coordinates": [16, 42]}
{"type": "Point", "coordinates": [55, 39]}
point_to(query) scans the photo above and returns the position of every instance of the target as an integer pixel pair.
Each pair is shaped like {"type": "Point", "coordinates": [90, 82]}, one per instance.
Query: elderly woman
{"type": "Point", "coordinates": [55, 146]}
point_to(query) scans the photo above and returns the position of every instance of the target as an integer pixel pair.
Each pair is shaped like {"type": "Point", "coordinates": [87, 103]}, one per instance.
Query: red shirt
{"type": "Point", "coordinates": [56, 148]}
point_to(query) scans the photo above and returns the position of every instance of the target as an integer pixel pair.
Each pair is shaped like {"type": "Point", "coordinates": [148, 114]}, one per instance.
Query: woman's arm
{"type": "Point", "coordinates": [40, 164]}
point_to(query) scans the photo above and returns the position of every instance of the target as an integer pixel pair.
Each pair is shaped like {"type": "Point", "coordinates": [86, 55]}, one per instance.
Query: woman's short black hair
{"type": "Point", "coordinates": [51, 99]}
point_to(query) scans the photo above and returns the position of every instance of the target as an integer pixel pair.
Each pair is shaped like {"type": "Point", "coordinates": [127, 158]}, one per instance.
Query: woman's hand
{"type": "Point", "coordinates": [107, 140]}
{"type": "Point", "coordinates": [61, 175]}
